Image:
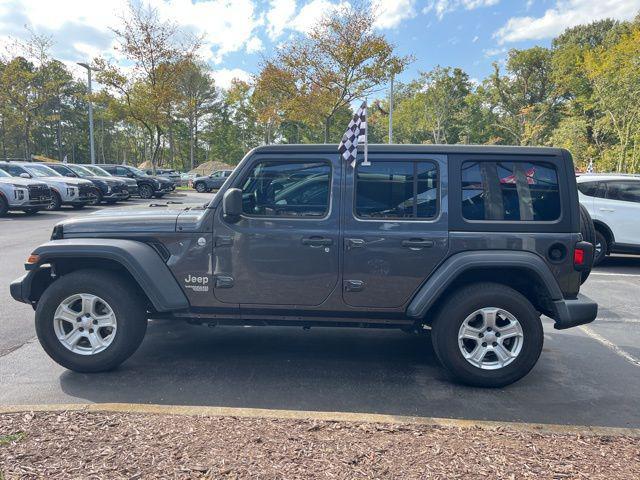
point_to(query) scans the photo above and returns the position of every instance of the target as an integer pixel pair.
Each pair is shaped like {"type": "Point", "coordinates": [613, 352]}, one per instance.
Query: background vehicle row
{"type": "Point", "coordinates": [23, 194]}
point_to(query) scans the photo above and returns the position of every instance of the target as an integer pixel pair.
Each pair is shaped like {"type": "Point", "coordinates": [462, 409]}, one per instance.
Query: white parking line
{"type": "Point", "coordinates": [610, 345]}
{"type": "Point", "coordinates": [608, 274]}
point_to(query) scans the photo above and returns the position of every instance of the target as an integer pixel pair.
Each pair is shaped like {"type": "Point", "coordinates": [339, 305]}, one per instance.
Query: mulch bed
{"type": "Point", "coordinates": [84, 445]}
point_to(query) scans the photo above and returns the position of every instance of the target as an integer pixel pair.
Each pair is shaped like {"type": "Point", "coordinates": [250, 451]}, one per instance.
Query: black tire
{"type": "Point", "coordinates": [31, 211]}
{"type": "Point", "coordinates": [4, 206]}
{"type": "Point", "coordinates": [122, 296]}
{"type": "Point", "coordinates": [588, 232]}
{"type": "Point", "coordinates": [463, 303]}
{"type": "Point", "coordinates": [201, 187]}
{"type": "Point", "coordinates": [56, 201]}
{"type": "Point", "coordinates": [601, 248]}
{"type": "Point", "coordinates": [145, 191]}
{"type": "Point", "coordinates": [98, 200]}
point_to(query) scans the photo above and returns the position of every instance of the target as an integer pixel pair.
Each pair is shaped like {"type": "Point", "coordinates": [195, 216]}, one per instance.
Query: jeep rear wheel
{"type": "Point", "coordinates": [90, 320]}
{"type": "Point", "coordinates": [487, 335]}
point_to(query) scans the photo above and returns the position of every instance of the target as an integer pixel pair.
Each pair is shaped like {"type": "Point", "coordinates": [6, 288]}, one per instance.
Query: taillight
{"type": "Point", "coordinates": [578, 257]}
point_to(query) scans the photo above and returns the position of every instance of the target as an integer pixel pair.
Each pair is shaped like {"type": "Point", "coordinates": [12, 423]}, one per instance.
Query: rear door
{"type": "Point", "coordinates": [619, 209]}
{"type": "Point", "coordinates": [395, 227]}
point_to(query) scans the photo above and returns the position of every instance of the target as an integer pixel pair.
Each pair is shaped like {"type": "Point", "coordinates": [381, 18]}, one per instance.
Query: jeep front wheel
{"type": "Point", "coordinates": [487, 335]}
{"type": "Point", "coordinates": [90, 320]}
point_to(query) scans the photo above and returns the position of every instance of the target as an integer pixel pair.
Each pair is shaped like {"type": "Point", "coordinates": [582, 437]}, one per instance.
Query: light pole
{"type": "Point", "coordinates": [93, 153]}
{"type": "Point", "coordinates": [391, 110]}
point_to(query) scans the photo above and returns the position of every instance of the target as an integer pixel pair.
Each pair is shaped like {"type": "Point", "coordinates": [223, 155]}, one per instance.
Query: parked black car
{"type": "Point", "coordinates": [148, 185]}
{"type": "Point", "coordinates": [132, 185]}
{"type": "Point", "coordinates": [473, 243]}
{"type": "Point", "coordinates": [108, 189]}
{"type": "Point", "coordinates": [211, 182]}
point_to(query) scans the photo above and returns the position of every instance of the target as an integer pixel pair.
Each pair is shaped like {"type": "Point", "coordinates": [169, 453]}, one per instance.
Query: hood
{"type": "Point", "coordinates": [76, 182]}
{"type": "Point", "coordinates": [124, 220]}
{"type": "Point", "coordinates": [23, 182]}
{"type": "Point", "coordinates": [108, 180]}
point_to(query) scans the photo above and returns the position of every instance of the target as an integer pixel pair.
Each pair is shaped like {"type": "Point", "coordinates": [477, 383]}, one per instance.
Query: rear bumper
{"type": "Point", "coordinates": [574, 312]}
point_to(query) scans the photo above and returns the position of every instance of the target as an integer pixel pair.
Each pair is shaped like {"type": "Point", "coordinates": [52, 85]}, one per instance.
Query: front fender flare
{"type": "Point", "coordinates": [457, 264]}
{"type": "Point", "coordinates": [139, 259]}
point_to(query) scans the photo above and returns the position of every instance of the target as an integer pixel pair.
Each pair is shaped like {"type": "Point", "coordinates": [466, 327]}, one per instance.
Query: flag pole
{"type": "Point", "coordinates": [366, 163]}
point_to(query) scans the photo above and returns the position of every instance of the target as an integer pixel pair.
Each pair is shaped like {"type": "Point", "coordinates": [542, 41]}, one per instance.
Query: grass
{"type": "Point", "coordinates": [13, 437]}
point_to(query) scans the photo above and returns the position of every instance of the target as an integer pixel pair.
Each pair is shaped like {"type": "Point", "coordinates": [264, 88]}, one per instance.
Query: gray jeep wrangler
{"type": "Point", "coordinates": [471, 243]}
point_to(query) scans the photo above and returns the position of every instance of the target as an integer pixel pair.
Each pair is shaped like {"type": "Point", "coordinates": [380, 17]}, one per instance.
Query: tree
{"type": "Point", "coordinates": [615, 76]}
{"type": "Point", "coordinates": [158, 51]}
{"type": "Point", "coordinates": [342, 59]}
{"type": "Point", "coordinates": [198, 96]}
{"type": "Point", "coordinates": [524, 100]}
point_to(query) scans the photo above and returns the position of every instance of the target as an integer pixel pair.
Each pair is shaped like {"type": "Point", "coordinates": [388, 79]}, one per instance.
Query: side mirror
{"type": "Point", "coordinates": [232, 204]}
{"type": "Point", "coordinates": [130, 175]}
{"type": "Point", "coordinates": [25, 175]}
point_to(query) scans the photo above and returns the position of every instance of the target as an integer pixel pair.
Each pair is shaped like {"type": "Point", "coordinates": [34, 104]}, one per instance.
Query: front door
{"type": "Point", "coordinates": [284, 250]}
{"type": "Point", "coordinates": [395, 228]}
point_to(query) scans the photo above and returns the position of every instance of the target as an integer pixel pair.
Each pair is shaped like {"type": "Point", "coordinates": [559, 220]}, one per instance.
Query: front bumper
{"type": "Point", "coordinates": [574, 312]}
{"type": "Point", "coordinates": [41, 202]}
{"type": "Point", "coordinates": [80, 200]}
{"type": "Point", "coordinates": [123, 195]}
{"type": "Point", "coordinates": [20, 288]}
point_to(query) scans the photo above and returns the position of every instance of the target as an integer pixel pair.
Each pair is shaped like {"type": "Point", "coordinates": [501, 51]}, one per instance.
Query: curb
{"type": "Point", "coordinates": [138, 408]}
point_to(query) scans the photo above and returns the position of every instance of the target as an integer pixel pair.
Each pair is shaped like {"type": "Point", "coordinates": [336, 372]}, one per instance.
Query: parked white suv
{"type": "Point", "coordinates": [613, 200]}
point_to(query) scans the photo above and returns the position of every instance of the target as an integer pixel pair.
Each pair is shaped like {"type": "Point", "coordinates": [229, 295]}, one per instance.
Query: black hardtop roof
{"type": "Point", "coordinates": [428, 148]}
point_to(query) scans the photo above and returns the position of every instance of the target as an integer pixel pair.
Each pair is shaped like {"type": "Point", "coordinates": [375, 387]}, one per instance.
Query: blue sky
{"type": "Point", "coordinates": [470, 34]}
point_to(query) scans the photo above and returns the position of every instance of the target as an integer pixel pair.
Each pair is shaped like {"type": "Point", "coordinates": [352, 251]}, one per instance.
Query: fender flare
{"type": "Point", "coordinates": [139, 259]}
{"type": "Point", "coordinates": [459, 263]}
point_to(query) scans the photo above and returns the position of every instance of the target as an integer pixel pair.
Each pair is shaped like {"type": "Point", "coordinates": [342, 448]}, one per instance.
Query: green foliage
{"type": "Point", "coordinates": [580, 94]}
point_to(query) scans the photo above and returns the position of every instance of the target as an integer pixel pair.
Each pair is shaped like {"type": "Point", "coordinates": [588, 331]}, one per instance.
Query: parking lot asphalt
{"type": "Point", "coordinates": [586, 376]}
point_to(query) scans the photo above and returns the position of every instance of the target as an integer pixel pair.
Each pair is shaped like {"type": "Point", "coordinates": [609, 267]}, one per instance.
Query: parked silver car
{"type": "Point", "coordinates": [64, 190]}
{"type": "Point", "coordinates": [23, 194]}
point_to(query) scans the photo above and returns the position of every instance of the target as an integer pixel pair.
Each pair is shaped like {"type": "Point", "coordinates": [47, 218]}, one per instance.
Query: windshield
{"type": "Point", "coordinates": [138, 172]}
{"type": "Point", "coordinates": [97, 170]}
{"type": "Point", "coordinates": [4, 174]}
{"type": "Point", "coordinates": [41, 171]}
{"type": "Point", "coordinates": [81, 171]}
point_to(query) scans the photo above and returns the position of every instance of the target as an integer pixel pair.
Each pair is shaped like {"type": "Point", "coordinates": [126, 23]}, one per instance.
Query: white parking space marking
{"type": "Point", "coordinates": [610, 345]}
{"type": "Point", "coordinates": [608, 274]}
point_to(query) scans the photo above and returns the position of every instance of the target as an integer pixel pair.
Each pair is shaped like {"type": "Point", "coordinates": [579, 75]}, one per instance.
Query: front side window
{"type": "Point", "coordinates": [401, 190]}
{"type": "Point", "coordinates": [41, 171]}
{"type": "Point", "coordinates": [511, 191]}
{"type": "Point", "coordinates": [13, 170]}
{"type": "Point", "coordinates": [291, 189]}
{"type": "Point", "coordinates": [623, 191]}
{"type": "Point", "coordinates": [590, 189]}
{"type": "Point", "coordinates": [122, 171]}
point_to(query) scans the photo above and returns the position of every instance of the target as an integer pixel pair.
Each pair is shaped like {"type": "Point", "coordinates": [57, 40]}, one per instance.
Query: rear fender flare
{"type": "Point", "coordinates": [458, 264]}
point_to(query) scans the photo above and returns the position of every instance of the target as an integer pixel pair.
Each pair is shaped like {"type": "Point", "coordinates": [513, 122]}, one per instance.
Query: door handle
{"type": "Point", "coordinates": [355, 243]}
{"type": "Point", "coordinates": [417, 243]}
{"type": "Point", "coordinates": [317, 241]}
{"type": "Point", "coordinates": [607, 209]}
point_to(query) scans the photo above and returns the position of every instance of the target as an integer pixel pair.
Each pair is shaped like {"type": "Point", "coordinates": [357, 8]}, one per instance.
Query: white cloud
{"type": "Point", "coordinates": [254, 44]}
{"type": "Point", "coordinates": [475, 39]}
{"type": "Point", "coordinates": [224, 76]}
{"type": "Point", "coordinates": [390, 13]}
{"type": "Point", "coordinates": [312, 12]}
{"type": "Point", "coordinates": [442, 7]}
{"type": "Point", "coordinates": [565, 14]}
{"type": "Point", "coordinates": [81, 27]}
{"type": "Point", "coordinates": [279, 15]}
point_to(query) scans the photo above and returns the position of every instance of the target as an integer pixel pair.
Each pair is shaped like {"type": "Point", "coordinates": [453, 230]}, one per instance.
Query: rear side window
{"type": "Point", "coordinates": [287, 189]}
{"type": "Point", "coordinates": [590, 189]}
{"type": "Point", "coordinates": [406, 190]}
{"type": "Point", "coordinates": [624, 191]}
{"type": "Point", "coordinates": [510, 191]}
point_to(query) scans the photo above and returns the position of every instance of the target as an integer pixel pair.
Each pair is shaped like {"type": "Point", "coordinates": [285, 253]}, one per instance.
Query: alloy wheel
{"type": "Point", "coordinates": [490, 338]}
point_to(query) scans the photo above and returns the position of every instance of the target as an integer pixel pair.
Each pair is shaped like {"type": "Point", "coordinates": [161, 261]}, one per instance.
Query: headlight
{"type": "Point", "coordinates": [20, 193]}
{"type": "Point", "coordinates": [72, 191]}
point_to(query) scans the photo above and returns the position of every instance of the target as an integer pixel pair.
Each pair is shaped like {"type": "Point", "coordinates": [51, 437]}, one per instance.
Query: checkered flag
{"type": "Point", "coordinates": [356, 133]}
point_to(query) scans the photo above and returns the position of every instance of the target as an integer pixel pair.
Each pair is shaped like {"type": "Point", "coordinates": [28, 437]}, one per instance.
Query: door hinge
{"type": "Point", "coordinates": [223, 281]}
{"type": "Point", "coordinates": [353, 285]}
{"type": "Point", "coordinates": [224, 241]}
